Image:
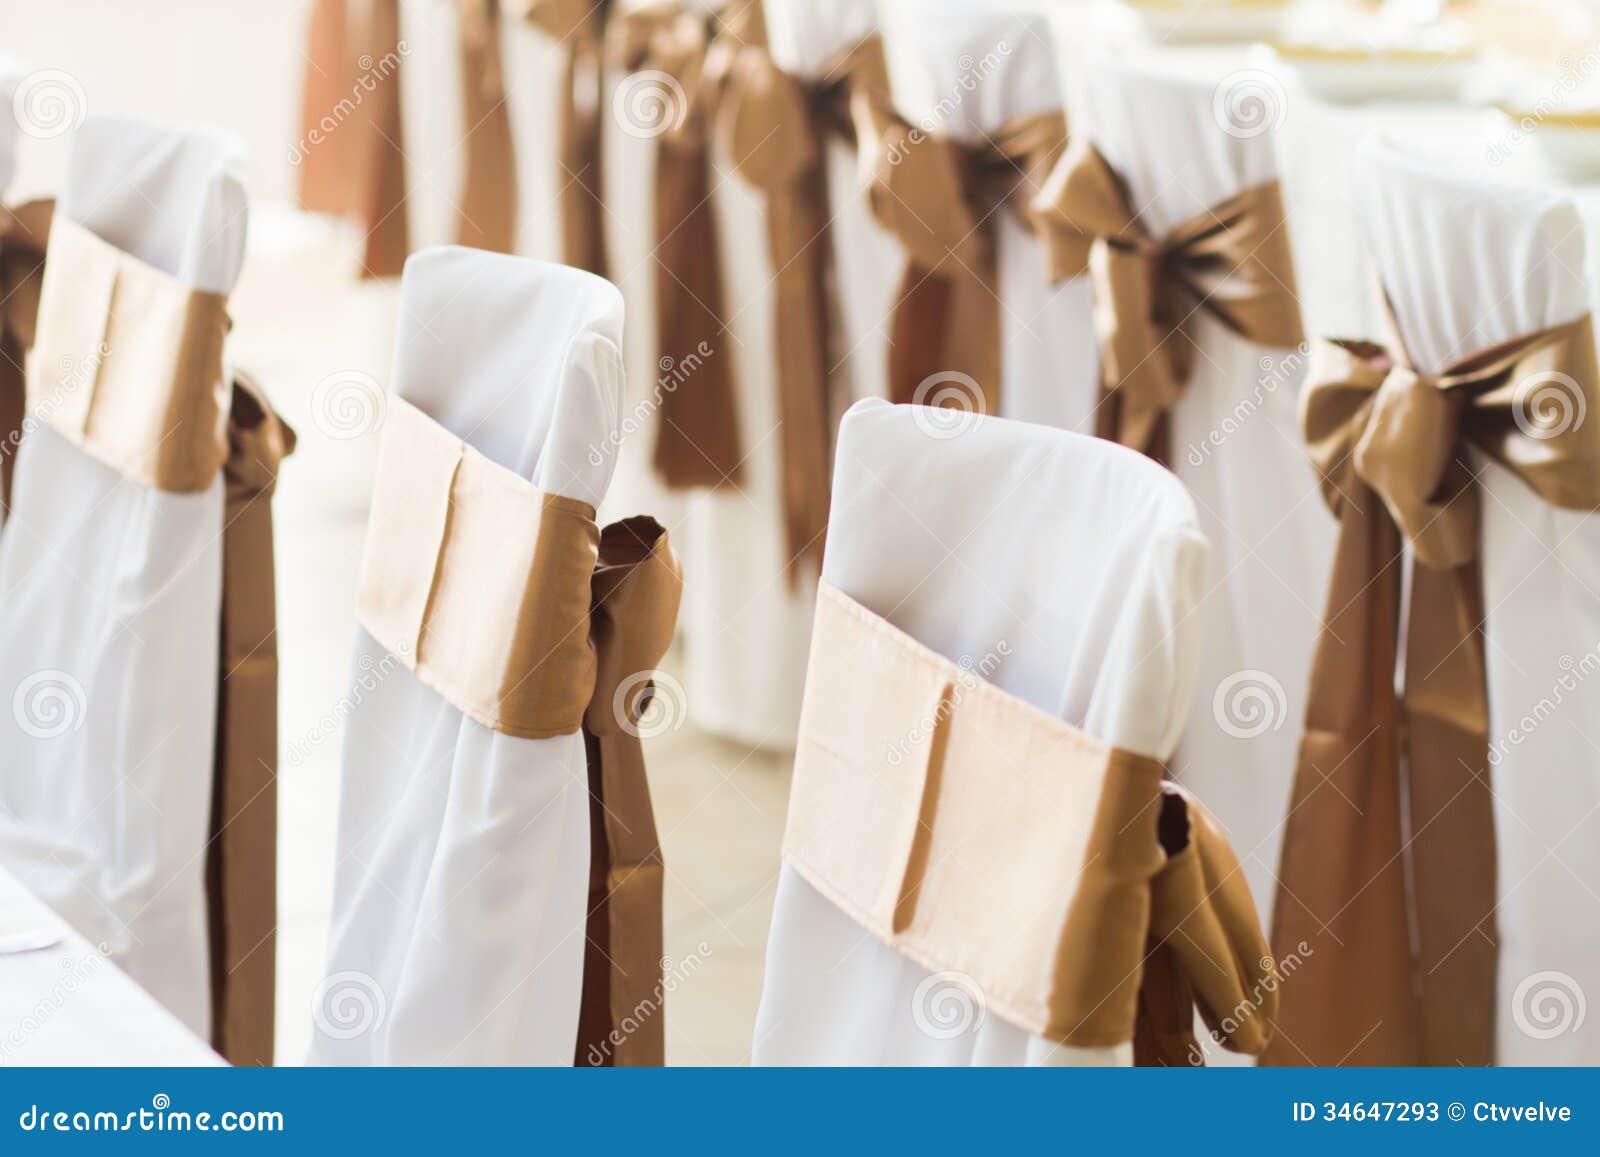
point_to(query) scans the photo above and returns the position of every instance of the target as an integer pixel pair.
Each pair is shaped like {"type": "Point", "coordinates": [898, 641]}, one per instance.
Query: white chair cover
{"type": "Point", "coordinates": [110, 595]}
{"type": "Point", "coordinates": [1236, 445]}
{"type": "Point", "coordinates": [463, 854]}
{"type": "Point", "coordinates": [964, 71]}
{"type": "Point", "coordinates": [977, 545]}
{"type": "Point", "coordinates": [1524, 270]}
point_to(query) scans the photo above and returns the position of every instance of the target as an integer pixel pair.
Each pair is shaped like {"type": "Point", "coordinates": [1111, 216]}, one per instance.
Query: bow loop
{"type": "Point", "coordinates": [917, 187]}
{"type": "Point", "coordinates": [636, 587]}
{"type": "Point", "coordinates": [663, 45]}
{"type": "Point", "coordinates": [759, 113]}
{"type": "Point", "coordinates": [560, 19]}
{"type": "Point", "coordinates": [1083, 200]}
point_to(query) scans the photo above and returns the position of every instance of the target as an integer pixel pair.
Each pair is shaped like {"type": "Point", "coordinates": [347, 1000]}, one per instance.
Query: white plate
{"type": "Point", "coordinates": [1206, 21]}
{"type": "Point", "coordinates": [1381, 77]}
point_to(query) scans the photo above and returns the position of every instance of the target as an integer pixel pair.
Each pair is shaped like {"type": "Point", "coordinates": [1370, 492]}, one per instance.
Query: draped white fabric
{"type": "Point", "coordinates": [1076, 566]}
{"type": "Point", "coordinates": [1524, 270]}
{"type": "Point", "coordinates": [966, 71]}
{"type": "Point", "coordinates": [1236, 446]}
{"type": "Point", "coordinates": [110, 595]}
{"type": "Point", "coordinates": [463, 854]}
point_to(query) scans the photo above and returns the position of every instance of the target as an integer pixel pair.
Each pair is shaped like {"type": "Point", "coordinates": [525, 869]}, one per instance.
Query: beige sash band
{"type": "Point", "coordinates": [970, 831]}
{"type": "Point", "coordinates": [24, 234]}
{"type": "Point", "coordinates": [1231, 260]}
{"type": "Point", "coordinates": [128, 363]}
{"type": "Point", "coordinates": [1372, 857]}
{"type": "Point", "coordinates": [478, 582]}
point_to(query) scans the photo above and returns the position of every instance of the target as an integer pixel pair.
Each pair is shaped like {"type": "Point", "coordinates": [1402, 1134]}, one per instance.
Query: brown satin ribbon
{"type": "Point", "coordinates": [24, 235]}
{"type": "Point", "coordinates": [487, 215]}
{"type": "Point", "coordinates": [128, 363]}
{"type": "Point", "coordinates": [242, 853]}
{"type": "Point", "coordinates": [1231, 261]}
{"type": "Point", "coordinates": [520, 612]}
{"type": "Point", "coordinates": [697, 439]}
{"type": "Point", "coordinates": [351, 153]}
{"type": "Point", "coordinates": [579, 27]}
{"type": "Point", "coordinates": [774, 128]}
{"type": "Point", "coordinates": [1391, 791]}
{"type": "Point", "coordinates": [972, 832]}
{"type": "Point", "coordinates": [939, 199]}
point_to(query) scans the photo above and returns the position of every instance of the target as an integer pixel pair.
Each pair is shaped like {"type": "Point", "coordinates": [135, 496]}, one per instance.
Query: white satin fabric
{"type": "Point", "coordinates": [1236, 445]}
{"type": "Point", "coordinates": [463, 854]}
{"type": "Point", "coordinates": [1469, 262]}
{"type": "Point", "coordinates": [1074, 563]}
{"type": "Point", "coordinates": [965, 71]}
{"type": "Point", "coordinates": [110, 593]}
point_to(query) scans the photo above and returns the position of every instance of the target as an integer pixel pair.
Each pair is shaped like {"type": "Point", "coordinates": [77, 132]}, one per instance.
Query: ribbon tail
{"type": "Point", "coordinates": [583, 238]}
{"type": "Point", "coordinates": [944, 339]}
{"type": "Point", "coordinates": [1452, 849]}
{"type": "Point", "coordinates": [487, 215]}
{"type": "Point", "coordinates": [380, 182]}
{"type": "Point", "coordinates": [1341, 913]}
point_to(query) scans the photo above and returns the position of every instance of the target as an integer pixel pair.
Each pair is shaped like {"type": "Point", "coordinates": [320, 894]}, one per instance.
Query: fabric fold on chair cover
{"type": "Point", "coordinates": [351, 153]}
{"type": "Point", "coordinates": [24, 236]}
{"type": "Point", "coordinates": [1390, 444]}
{"type": "Point", "coordinates": [1231, 260]}
{"type": "Point", "coordinates": [914, 807]}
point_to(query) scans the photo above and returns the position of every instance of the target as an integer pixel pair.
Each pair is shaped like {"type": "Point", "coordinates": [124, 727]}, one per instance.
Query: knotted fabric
{"type": "Point", "coordinates": [486, 218]}
{"type": "Point", "coordinates": [24, 235]}
{"type": "Point", "coordinates": [351, 152]}
{"type": "Point", "coordinates": [1231, 261]}
{"type": "Point", "coordinates": [970, 831]}
{"type": "Point", "coordinates": [128, 366]}
{"type": "Point", "coordinates": [774, 128]}
{"type": "Point", "coordinates": [1391, 823]}
{"type": "Point", "coordinates": [521, 613]}
{"type": "Point", "coordinates": [662, 45]}
{"type": "Point", "coordinates": [939, 198]}
{"type": "Point", "coordinates": [578, 26]}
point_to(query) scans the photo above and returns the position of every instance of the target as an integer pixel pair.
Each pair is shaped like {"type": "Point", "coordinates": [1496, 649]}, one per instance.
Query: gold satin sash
{"type": "Point", "coordinates": [486, 218]}
{"type": "Point", "coordinates": [1391, 444]}
{"type": "Point", "coordinates": [1232, 261]}
{"type": "Point", "coordinates": [128, 363]}
{"type": "Point", "coordinates": [663, 45]}
{"type": "Point", "coordinates": [970, 831]}
{"type": "Point", "coordinates": [579, 27]}
{"type": "Point", "coordinates": [24, 235]}
{"type": "Point", "coordinates": [525, 616]}
{"type": "Point", "coordinates": [939, 199]}
{"type": "Point", "coordinates": [774, 129]}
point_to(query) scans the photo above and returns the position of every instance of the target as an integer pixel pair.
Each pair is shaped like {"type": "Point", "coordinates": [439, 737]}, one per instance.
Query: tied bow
{"type": "Point", "coordinates": [1391, 445]}
{"type": "Point", "coordinates": [24, 234]}
{"type": "Point", "coordinates": [939, 198]}
{"type": "Point", "coordinates": [1231, 261]}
